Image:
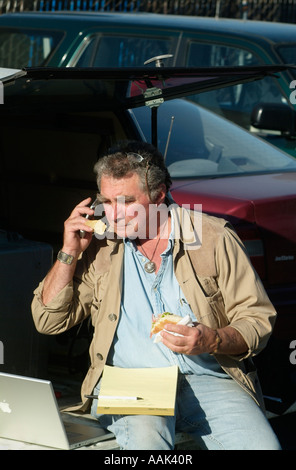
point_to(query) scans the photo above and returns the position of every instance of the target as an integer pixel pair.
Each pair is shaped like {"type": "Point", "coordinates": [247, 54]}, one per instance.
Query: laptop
{"type": "Point", "coordinates": [29, 412]}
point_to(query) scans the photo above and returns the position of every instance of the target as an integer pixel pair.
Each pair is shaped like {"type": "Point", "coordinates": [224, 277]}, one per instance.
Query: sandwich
{"type": "Point", "coordinates": [159, 322]}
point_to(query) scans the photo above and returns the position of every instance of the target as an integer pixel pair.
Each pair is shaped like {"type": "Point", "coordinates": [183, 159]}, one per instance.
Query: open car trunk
{"type": "Point", "coordinates": [55, 123]}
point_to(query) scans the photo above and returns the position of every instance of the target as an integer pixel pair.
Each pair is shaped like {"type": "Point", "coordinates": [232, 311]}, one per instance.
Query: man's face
{"type": "Point", "coordinates": [126, 205]}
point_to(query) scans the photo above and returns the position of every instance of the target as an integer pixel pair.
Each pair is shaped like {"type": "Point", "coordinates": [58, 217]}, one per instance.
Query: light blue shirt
{"type": "Point", "coordinates": [143, 295]}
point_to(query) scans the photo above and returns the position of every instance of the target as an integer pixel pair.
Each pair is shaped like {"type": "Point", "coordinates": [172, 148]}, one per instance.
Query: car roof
{"type": "Point", "coordinates": [268, 32]}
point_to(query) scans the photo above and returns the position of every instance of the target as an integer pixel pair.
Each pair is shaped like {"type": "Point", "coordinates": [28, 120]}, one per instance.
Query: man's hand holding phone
{"type": "Point", "coordinates": [74, 244]}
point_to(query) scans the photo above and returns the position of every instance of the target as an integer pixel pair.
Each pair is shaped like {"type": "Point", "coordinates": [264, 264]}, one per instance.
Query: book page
{"type": "Point", "coordinates": [138, 391]}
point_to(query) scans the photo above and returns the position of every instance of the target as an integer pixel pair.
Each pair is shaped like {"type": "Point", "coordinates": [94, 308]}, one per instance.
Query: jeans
{"type": "Point", "coordinates": [216, 412]}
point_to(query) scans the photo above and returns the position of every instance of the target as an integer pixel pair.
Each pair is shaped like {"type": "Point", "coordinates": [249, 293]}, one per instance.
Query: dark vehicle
{"type": "Point", "coordinates": [55, 123]}
{"type": "Point", "coordinates": [93, 39]}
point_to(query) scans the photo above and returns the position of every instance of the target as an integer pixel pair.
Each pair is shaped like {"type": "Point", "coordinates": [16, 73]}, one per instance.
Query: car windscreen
{"type": "Point", "coordinates": [202, 144]}
{"type": "Point", "coordinates": [27, 48]}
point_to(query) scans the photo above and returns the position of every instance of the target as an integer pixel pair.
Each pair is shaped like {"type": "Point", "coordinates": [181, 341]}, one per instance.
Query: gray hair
{"type": "Point", "coordinates": [135, 157]}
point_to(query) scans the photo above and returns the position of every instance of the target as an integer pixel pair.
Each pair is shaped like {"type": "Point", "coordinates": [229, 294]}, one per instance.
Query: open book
{"type": "Point", "coordinates": [149, 391]}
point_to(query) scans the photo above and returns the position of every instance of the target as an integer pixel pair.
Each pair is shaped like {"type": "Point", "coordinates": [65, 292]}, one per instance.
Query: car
{"type": "Point", "coordinates": [56, 122]}
{"type": "Point", "coordinates": [98, 39]}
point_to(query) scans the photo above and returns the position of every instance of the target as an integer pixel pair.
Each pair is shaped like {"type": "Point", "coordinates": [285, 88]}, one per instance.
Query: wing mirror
{"type": "Point", "coordinates": [274, 117]}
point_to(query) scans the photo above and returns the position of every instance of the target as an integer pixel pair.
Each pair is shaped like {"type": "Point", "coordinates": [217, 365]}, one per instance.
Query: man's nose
{"type": "Point", "coordinates": [118, 211]}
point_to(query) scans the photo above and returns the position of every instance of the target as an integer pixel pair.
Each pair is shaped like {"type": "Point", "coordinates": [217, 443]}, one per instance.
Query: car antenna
{"type": "Point", "coordinates": [169, 138]}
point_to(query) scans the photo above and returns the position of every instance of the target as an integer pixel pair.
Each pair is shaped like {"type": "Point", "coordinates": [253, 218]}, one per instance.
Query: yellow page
{"type": "Point", "coordinates": [153, 388]}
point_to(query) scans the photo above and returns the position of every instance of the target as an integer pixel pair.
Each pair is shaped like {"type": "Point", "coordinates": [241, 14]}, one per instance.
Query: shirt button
{"type": "Point", "coordinates": [112, 317]}
{"type": "Point", "coordinates": [99, 356]}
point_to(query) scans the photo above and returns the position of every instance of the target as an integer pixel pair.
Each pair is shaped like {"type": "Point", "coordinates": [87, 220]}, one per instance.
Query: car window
{"type": "Point", "coordinates": [202, 144]}
{"type": "Point", "coordinates": [287, 52]}
{"type": "Point", "coordinates": [122, 51]}
{"type": "Point", "coordinates": [213, 55]}
{"type": "Point", "coordinates": [236, 102]}
{"type": "Point", "coordinates": [26, 48]}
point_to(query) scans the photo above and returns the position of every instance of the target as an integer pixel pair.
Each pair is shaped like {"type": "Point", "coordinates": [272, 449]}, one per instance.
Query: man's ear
{"type": "Point", "coordinates": [161, 194]}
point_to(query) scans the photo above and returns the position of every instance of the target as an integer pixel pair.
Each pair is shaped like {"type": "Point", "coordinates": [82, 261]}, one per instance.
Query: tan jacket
{"type": "Point", "coordinates": [218, 282]}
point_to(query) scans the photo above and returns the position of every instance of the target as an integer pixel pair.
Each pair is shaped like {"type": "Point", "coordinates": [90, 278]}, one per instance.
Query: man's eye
{"type": "Point", "coordinates": [125, 202]}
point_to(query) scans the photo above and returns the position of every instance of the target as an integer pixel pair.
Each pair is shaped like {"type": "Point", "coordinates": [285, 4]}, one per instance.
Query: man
{"type": "Point", "coordinates": [150, 260]}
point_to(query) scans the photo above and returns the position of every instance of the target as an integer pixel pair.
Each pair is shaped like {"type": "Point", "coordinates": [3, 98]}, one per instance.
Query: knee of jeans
{"type": "Point", "coordinates": [144, 432]}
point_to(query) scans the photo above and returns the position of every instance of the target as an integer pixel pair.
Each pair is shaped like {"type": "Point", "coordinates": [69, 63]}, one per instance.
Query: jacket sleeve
{"type": "Point", "coordinates": [247, 305]}
{"type": "Point", "coordinates": [70, 306]}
